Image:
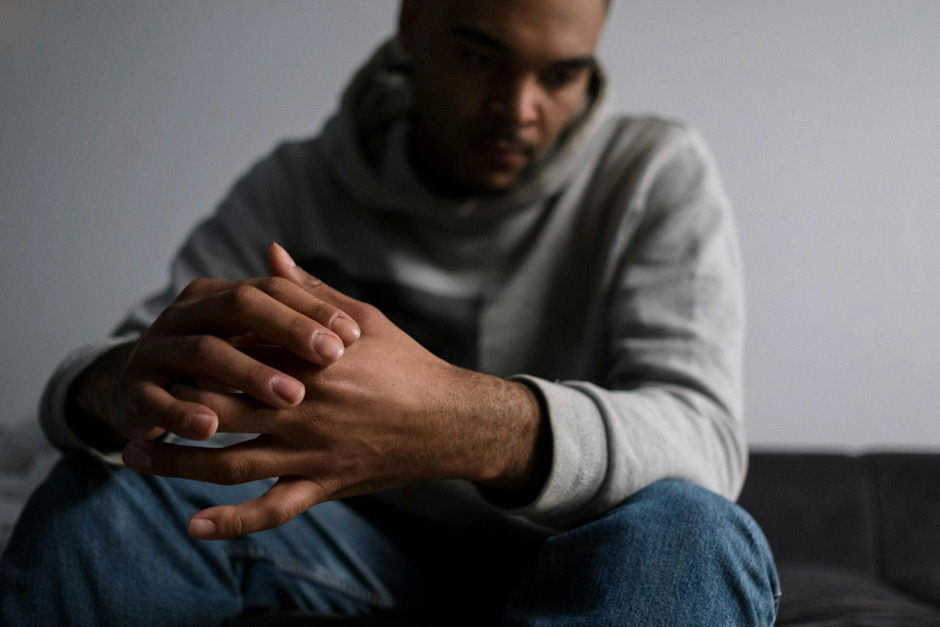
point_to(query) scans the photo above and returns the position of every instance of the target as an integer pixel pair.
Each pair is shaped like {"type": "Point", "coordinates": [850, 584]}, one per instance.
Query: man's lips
{"type": "Point", "coordinates": [506, 152]}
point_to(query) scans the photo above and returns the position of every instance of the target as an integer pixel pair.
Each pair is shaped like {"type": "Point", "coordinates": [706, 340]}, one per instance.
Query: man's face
{"type": "Point", "coordinates": [496, 82]}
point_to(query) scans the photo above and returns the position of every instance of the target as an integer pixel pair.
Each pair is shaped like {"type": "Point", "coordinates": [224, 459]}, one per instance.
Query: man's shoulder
{"type": "Point", "coordinates": [648, 142]}
{"type": "Point", "coordinates": [649, 130]}
{"type": "Point", "coordinates": [287, 159]}
{"type": "Point", "coordinates": [296, 148]}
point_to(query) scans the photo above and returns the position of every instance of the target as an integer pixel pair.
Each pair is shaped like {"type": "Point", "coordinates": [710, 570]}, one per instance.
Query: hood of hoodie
{"type": "Point", "coordinates": [378, 101]}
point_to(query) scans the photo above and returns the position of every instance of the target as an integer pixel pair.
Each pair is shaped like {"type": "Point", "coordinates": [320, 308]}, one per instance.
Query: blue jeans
{"type": "Point", "coordinates": [98, 545]}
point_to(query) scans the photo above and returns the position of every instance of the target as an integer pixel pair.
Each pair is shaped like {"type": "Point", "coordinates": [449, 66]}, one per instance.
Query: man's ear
{"type": "Point", "coordinates": [407, 15]}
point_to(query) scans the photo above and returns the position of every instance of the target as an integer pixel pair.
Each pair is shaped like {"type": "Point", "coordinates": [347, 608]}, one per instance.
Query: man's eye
{"type": "Point", "coordinates": [474, 57]}
{"type": "Point", "coordinates": [559, 77]}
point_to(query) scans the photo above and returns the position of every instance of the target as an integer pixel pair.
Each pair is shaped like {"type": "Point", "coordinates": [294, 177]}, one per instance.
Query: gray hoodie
{"type": "Point", "coordinates": [608, 279]}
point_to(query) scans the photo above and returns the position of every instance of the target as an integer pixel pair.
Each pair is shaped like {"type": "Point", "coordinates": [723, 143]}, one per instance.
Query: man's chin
{"type": "Point", "coordinates": [475, 170]}
{"type": "Point", "coordinates": [493, 180]}
{"type": "Point", "coordinates": [470, 177]}
{"type": "Point", "coordinates": [499, 183]}
{"type": "Point", "coordinates": [480, 183]}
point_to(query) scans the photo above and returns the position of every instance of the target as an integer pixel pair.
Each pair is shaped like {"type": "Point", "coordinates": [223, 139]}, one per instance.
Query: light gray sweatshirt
{"type": "Point", "coordinates": [608, 279]}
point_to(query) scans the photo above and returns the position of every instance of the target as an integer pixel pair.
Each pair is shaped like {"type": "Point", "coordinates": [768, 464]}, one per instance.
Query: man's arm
{"type": "Point", "coordinates": [667, 400]}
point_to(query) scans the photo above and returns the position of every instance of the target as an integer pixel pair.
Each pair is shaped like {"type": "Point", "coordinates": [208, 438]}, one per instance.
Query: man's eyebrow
{"type": "Point", "coordinates": [576, 63]}
{"type": "Point", "coordinates": [481, 38]}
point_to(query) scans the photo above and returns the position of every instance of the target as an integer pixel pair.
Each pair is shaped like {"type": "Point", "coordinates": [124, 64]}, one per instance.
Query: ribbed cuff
{"type": "Point", "coordinates": [579, 454]}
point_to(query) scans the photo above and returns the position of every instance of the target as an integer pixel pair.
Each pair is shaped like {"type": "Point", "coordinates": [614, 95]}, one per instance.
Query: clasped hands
{"type": "Point", "coordinates": [344, 402]}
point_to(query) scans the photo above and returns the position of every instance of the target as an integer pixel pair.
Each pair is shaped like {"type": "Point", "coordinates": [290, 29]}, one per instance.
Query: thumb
{"type": "Point", "coordinates": [282, 265]}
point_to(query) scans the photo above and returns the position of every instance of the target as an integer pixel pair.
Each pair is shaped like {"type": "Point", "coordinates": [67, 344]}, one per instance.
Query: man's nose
{"type": "Point", "coordinates": [515, 100]}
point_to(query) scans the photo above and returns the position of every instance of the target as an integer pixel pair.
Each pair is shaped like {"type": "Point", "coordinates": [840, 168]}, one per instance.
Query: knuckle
{"type": "Point", "coordinates": [202, 346]}
{"type": "Point", "coordinates": [243, 295]}
{"type": "Point", "coordinates": [367, 315]}
{"type": "Point", "coordinates": [274, 285]}
{"type": "Point", "coordinates": [236, 470]}
{"type": "Point", "coordinates": [279, 513]}
{"type": "Point", "coordinates": [323, 313]}
{"type": "Point", "coordinates": [199, 396]}
{"type": "Point", "coordinates": [310, 419]}
{"type": "Point", "coordinates": [260, 374]}
{"type": "Point", "coordinates": [171, 315]}
{"type": "Point", "coordinates": [313, 281]}
{"type": "Point", "coordinates": [300, 328]}
{"type": "Point", "coordinates": [198, 288]}
{"type": "Point", "coordinates": [325, 488]}
{"type": "Point", "coordinates": [232, 524]}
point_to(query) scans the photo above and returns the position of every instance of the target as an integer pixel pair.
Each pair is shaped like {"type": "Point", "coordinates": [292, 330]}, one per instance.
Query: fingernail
{"type": "Point", "coordinates": [328, 346]}
{"type": "Point", "coordinates": [202, 424]}
{"type": "Point", "coordinates": [136, 457]}
{"type": "Point", "coordinates": [201, 528]}
{"type": "Point", "coordinates": [346, 329]}
{"type": "Point", "coordinates": [290, 390]}
{"type": "Point", "coordinates": [286, 255]}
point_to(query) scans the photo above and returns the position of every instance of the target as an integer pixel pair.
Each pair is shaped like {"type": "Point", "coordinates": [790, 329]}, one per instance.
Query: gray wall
{"type": "Point", "coordinates": [122, 123]}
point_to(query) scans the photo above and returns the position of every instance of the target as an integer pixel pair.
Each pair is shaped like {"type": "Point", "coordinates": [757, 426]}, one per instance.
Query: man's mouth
{"type": "Point", "coordinates": [503, 151]}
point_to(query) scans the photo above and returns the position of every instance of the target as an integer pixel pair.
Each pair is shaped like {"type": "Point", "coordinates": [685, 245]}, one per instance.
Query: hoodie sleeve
{"type": "Point", "coordinates": [230, 244]}
{"type": "Point", "coordinates": [669, 403]}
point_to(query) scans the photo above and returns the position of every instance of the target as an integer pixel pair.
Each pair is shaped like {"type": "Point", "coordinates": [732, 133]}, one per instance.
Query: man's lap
{"type": "Point", "coordinates": [113, 544]}
{"type": "Point", "coordinates": [99, 534]}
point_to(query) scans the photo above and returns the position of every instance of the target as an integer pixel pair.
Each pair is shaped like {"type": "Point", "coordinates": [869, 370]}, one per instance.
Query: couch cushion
{"type": "Point", "coordinates": [908, 493]}
{"type": "Point", "coordinates": [814, 508]}
{"type": "Point", "coordinates": [821, 596]}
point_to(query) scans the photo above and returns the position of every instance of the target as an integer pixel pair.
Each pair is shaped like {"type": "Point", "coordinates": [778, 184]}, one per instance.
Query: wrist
{"type": "Point", "coordinates": [512, 448]}
{"type": "Point", "coordinates": [89, 399]}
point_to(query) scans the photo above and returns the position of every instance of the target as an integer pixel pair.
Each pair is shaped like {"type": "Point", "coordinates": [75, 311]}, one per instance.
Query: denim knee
{"type": "Point", "coordinates": [681, 506]}
{"type": "Point", "coordinates": [672, 554]}
{"type": "Point", "coordinates": [714, 542]}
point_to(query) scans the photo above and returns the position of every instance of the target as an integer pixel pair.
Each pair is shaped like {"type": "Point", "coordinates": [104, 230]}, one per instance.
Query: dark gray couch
{"type": "Point", "coordinates": [856, 538]}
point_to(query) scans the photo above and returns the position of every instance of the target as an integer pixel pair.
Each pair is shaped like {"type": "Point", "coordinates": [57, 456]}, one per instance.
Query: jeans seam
{"type": "Point", "coordinates": [379, 599]}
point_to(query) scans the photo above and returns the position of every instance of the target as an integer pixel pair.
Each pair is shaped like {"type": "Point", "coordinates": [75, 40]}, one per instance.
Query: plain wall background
{"type": "Point", "coordinates": [122, 124]}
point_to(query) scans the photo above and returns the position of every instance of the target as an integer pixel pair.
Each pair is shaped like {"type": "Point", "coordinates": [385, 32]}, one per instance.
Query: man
{"type": "Point", "coordinates": [531, 421]}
